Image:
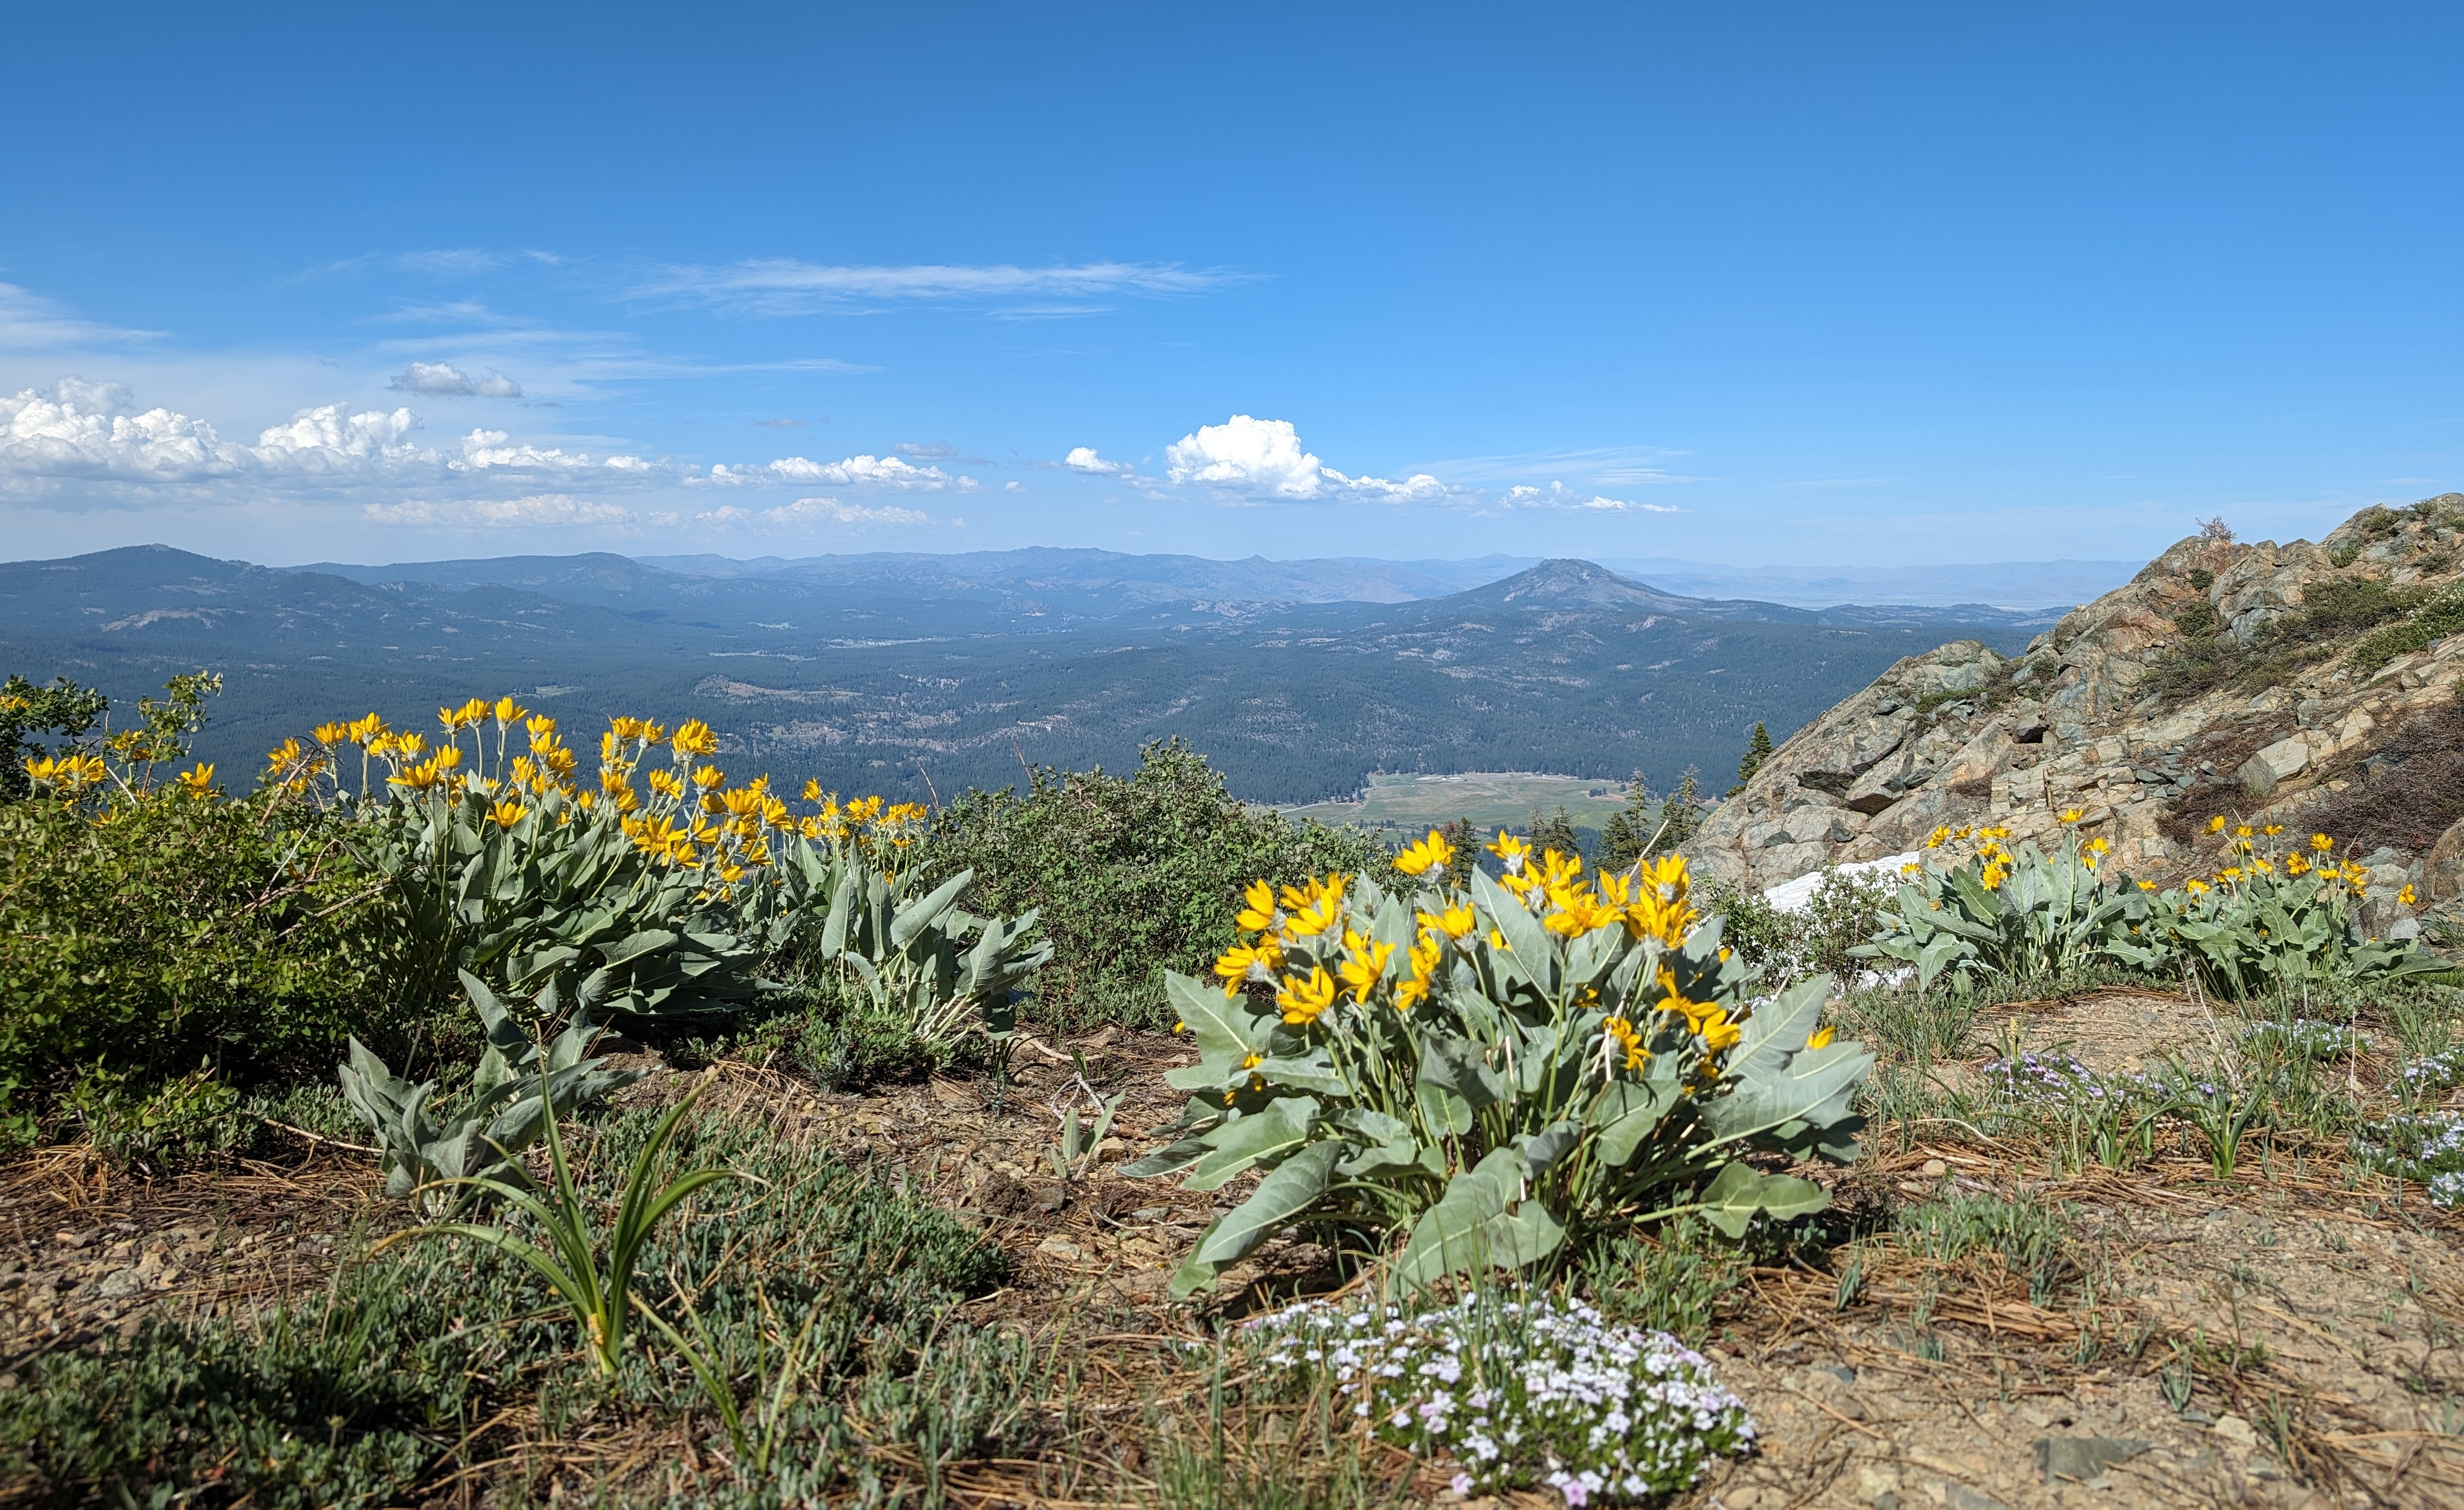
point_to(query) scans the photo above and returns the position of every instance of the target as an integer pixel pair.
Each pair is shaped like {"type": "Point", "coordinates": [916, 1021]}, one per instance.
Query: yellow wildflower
{"type": "Point", "coordinates": [2071, 815]}
{"type": "Point", "coordinates": [695, 738]}
{"type": "Point", "coordinates": [1365, 965]}
{"type": "Point", "coordinates": [2195, 887]}
{"type": "Point", "coordinates": [1821, 1038]}
{"type": "Point", "coordinates": [1433, 853]}
{"type": "Point", "coordinates": [709, 776]}
{"type": "Point", "coordinates": [2217, 824]}
{"type": "Point", "coordinates": [198, 782]}
{"type": "Point", "coordinates": [505, 814]}
{"type": "Point", "coordinates": [2273, 830]}
{"type": "Point", "coordinates": [1455, 923]}
{"type": "Point", "coordinates": [1509, 850]}
{"type": "Point", "coordinates": [1619, 1035]}
{"type": "Point", "coordinates": [1244, 963]}
{"type": "Point", "coordinates": [2321, 843]}
{"type": "Point", "coordinates": [2404, 895]}
{"type": "Point", "coordinates": [1304, 1001]}
{"type": "Point", "coordinates": [1260, 915]}
{"type": "Point", "coordinates": [1716, 1031]}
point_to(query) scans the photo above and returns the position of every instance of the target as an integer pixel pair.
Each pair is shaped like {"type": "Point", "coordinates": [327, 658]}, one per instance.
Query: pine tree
{"type": "Point", "coordinates": [1757, 750]}
{"type": "Point", "coordinates": [1681, 814]}
{"type": "Point", "coordinates": [1555, 832]}
{"type": "Point", "coordinates": [1628, 830]}
{"type": "Point", "coordinates": [1466, 839]}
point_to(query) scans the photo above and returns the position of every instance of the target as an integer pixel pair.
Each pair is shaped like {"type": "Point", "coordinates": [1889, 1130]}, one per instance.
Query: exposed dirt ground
{"type": "Point", "coordinates": [2309, 1332]}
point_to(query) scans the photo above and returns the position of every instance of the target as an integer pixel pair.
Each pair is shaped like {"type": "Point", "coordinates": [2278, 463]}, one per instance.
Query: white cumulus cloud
{"type": "Point", "coordinates": [74, 430]}
{"type": "Point", "coordinates": [893, 473]}
{"type": "Point", "coordinates": [1263, 460]}
{"type": "Point", "coordinates": [539, 511]}
{"type": "Point", "coordinates": [444, 380]}
{"type": "Point", "coordinates": [1083, 458]}
{"type": "Point", "coordinates": [1246, 455]}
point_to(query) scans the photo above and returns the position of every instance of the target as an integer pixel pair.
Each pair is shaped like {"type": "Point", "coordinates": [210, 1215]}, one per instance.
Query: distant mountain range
{"type": "Point", "coordinates": [921, 674]}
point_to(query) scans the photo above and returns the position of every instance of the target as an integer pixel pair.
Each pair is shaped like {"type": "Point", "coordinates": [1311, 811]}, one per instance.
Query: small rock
{"type": "Point", "coordinates": [121, 1283]}
{"type": "Point", "coordinates": [1959, 1497]}
{"type": "Point", "coordinates": [1061, 1248]}
{"type": "Point", "coordinates": [1745, 1498]}
{"type": "Point", "coordinates": [2084, 1459]}
{"type": "Point", "coordinates": [1150, 1214]}
{"type": "Point", "coordinates": [2236, 1430]}
{"type": "Point", "coordinates": [1935, 1168]}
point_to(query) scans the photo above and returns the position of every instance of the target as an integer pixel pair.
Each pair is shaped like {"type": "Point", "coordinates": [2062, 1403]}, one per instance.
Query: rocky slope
{"type": "Point", "coordinates": [2315, 685]}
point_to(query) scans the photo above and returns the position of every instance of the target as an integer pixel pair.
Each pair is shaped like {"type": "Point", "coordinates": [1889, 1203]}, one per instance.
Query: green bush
{"type": "Point", "coordinates": [842, 1041]}
{"type": "Point", "coordinates": [2432, 622]}
{"type": "Point", "coordinates": [359, 1395]}
{"type": "Point", "coordinates": [156, 933]}
{"type": "Point", "coordinates": [1131, 875]}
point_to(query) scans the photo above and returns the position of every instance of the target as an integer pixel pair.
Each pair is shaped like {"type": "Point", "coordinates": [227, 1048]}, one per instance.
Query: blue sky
{"type": "Point", "coordinates": [1810, 285]}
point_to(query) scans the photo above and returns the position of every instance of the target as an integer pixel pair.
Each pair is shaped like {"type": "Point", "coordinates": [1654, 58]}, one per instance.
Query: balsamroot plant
{"type": "Point", "coordinates": [2276, 913]}
{"type": "Point", "coordinates": [2012, 913]}
{"type": "Point", "coordinates": [519, 1088]}
{"type": "Point", "coordinates": [660, 880]}
{"type": "Point", "coordinates": [1482, 1074]}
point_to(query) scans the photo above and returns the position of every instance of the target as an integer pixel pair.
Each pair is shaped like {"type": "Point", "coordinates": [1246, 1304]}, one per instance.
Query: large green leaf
{"type": "Point", "coordinates": [1462, 1070]}
{"type": "Point", "coordinates": [1812, 1087]}
{"type": "Point", "coordinates": [1291, 1188]}
{"type": "Point", "coordinates": [1482, 1221]}
{"type": "Point", "coordinates": [1630, 1112]}
{"type": "Point", "coordinates": [1739, 1191]}
{"type": "Point", "coordinates": [1225, 1030]}
{"type": "Point", "coordinates": [1779, 1028]}
{"type": "Point", "coordinates": [1273, 1131]}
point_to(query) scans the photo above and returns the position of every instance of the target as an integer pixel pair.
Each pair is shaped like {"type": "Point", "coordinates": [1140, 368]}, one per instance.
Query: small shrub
{"type": "Point", "coordinates": [151, 932]}
{"type": "Point", "coordinates": [1517, 1392]}
{"type": "Point", "coordinates": [1128, 875]}
{"type": "Point", "coordinates": [194, 1119]}
{"type": "Point", "coordinates": [2435, 621]}
{"type": "Point", "coordinates": [843, 1042]}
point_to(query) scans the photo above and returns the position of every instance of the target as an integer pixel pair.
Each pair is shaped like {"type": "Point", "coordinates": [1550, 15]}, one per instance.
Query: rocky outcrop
{"type": "Point", "coordinates": [2121, 711]}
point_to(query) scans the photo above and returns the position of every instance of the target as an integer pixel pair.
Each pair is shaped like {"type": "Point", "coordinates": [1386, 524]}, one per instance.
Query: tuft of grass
{"type": "Point", "coordinates": [2031, 1236]}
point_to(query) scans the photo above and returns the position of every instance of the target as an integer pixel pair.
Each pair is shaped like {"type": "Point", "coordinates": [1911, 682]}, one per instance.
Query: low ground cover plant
{"type": "Point", "coordinates": [1519, 1390]}
{"type": "Point", "coordinates": [1479, 1074]}
{"type": "Point", "coordinates": [355, 1395]}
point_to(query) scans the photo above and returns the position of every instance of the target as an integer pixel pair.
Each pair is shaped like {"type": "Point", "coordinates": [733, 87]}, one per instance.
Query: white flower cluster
{"type": "Point", "coordinates": [2434, 1072]}
{"type": "Point", "coordinates": [2430, 1150]}
{"type": "Point", "coordinates": [2305, 1037]}
{"type": "Point", "coordinates": [1518, 1392]}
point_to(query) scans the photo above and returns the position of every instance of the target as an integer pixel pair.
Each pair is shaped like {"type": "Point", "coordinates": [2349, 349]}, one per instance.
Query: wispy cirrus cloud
{"type": "Point", "coordinates": [29, 321]}
{"type": "Point", "coordinates": [1600, 466]}
{"type": "Point", "coordinates": [437, 261]}
{"type": "Point", "coordinates": [787, 286]}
